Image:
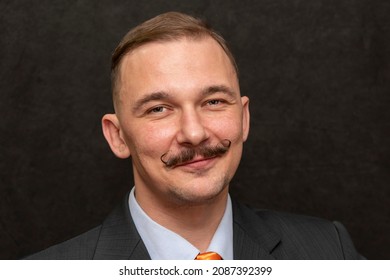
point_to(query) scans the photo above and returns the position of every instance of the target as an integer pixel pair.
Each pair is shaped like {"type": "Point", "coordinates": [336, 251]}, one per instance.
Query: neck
{"type": "Point", "coordinates": [196, 223]}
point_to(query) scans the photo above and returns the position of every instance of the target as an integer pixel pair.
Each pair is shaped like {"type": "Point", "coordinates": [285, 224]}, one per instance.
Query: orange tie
{"type": "Point", "coordinates": [208, 256]}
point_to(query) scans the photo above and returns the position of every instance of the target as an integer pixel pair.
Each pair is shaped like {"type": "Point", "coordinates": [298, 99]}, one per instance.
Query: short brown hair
{"type": "Point", "coordinates": [165, 27]}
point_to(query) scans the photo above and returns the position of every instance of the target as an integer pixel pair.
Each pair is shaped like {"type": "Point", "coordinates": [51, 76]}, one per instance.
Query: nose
{"type": "Point", "coordinates": [192, 129]}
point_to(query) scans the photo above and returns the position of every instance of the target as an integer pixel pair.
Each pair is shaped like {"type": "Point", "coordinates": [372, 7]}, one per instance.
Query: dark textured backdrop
{"type": "Point", "coordinates": [317, 73]}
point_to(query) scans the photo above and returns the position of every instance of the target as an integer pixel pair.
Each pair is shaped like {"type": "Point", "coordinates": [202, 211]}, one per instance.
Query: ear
{"type": "Point", "coordinates": [245, 117]}
{"type": "Point", "coordinates": [112, 133]}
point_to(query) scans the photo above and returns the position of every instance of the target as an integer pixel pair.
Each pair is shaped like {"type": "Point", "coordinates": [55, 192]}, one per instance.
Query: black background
{"type": "Point", "coordinates": [317, 73]}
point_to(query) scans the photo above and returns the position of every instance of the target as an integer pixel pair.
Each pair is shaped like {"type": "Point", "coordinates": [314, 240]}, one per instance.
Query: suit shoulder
{"type": "Point", "coordinates": [312, 237]}
{"type": "Point", "coordinates": [300, 236]}
{"type": "Point", "coordinates": [81, 247]}
{"type": "Point", "coordinates": [290, 220]}
{"type": "Point", "coordinates": [282, 222]}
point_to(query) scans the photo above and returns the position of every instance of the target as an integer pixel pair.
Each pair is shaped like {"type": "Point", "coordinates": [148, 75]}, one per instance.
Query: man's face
{"type": "Point", "coordinates": [174, 96]}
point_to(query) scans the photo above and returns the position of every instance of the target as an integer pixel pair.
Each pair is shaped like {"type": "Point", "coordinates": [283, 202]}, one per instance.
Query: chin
{"type": "Point", "coordinates": [197, 195]}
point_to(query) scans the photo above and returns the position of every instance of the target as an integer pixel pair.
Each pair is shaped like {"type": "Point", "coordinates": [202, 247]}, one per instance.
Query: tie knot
{"type": "Point", "coordinates": [208, 256]}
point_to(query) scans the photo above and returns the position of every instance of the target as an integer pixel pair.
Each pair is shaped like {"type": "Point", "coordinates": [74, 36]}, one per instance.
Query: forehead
{"type": "Point", "coordinates": [189, 43]}
{"type": "Point", "coordinates": [183, 63]}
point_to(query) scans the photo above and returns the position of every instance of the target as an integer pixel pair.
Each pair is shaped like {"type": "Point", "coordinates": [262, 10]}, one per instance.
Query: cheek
{"type": "Point", "coordinates": [152, 140]}
{"type": "Point", "coordinates": [229, 127]}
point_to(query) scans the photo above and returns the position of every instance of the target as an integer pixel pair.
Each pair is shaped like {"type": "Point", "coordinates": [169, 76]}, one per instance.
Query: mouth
{"type": "Point", "coordinates": [197, 163]}
{"type": "Point", "coordinates": [195, 156]}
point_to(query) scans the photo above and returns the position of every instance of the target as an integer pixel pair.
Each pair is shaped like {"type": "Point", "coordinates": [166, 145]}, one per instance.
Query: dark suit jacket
{"type": "Point", "coordinates": [256, 235]}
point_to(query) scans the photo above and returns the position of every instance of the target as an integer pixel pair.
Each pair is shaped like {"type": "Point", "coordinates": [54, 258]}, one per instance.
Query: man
{"type": "Point", "coordinates": [180, 117]}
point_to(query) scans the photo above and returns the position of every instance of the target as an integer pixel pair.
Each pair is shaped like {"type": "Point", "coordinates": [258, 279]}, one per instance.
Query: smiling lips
{"type": "Point", "coordinates": [197, 163]}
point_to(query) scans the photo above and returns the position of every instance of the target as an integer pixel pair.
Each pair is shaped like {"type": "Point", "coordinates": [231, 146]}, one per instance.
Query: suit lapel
{"type": "Point", "coordinates": [119, 238]}
{"type": "Point", "coordinates": [252, 238]}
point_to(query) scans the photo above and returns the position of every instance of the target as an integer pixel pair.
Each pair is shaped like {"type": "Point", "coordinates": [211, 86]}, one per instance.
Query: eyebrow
{"type": "Point", "coordinates": [161, 95]}
{"type": "Point", "coordinates": [218, 88]}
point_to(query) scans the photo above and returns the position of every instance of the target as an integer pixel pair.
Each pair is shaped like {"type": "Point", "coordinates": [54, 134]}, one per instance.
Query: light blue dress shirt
{"type": "Point", "coordinates": [164, 244]}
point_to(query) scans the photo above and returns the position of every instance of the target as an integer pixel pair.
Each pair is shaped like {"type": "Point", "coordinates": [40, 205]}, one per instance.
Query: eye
{"type": "Point", "coordinates": [158, 109]}
{"type": "Point", "coordinates": [214, 102]}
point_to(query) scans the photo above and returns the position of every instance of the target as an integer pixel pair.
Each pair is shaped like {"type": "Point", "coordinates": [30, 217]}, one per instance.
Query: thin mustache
{"type": "Point", "coordinates": [189, 154]}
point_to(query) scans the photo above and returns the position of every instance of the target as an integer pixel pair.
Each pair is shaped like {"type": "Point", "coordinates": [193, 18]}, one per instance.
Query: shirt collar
{"type": "Point", "coordinates": [164, 244]}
